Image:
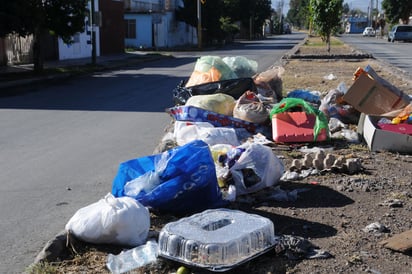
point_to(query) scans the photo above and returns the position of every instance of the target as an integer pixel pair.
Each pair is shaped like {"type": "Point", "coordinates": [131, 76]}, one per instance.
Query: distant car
{"type": "Point", "coordinates": [286, 29]}
{"type": "Point", "coordinates": [400, 33]}
{"type": "Point", "coordinates": [369, 31]}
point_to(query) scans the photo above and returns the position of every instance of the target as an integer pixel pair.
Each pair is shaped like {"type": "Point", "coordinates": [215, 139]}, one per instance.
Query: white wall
{"type": "Point", "coordinates": [143, 31]}
{"type": "Point", "coordinates": [80, 48]}
{"type": "Point", "coordinates": [171, 33]}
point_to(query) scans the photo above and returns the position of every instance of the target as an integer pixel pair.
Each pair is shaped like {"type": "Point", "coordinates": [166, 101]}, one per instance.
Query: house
{"type": "Point", "coordinates": [108, 25]}
{"type": "Point", "coordinates": [152, 24]}
{"type": "Point", "coordinates": [355, 24]}
{"type": "Point", "coordinates": [118, 24]}
{"type": "Point", "coordinates": [109, 29]}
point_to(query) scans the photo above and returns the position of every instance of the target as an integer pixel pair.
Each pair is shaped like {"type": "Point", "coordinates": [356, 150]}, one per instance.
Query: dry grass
{"type": "Point", "coordinates": [309, 74]}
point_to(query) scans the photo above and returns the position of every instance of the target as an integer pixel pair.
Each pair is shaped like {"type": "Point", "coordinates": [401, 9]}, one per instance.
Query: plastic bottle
{"type": "Point", "coordinates": [133, 258]}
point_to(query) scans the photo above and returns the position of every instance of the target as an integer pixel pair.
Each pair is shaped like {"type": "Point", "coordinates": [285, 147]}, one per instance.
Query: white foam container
{"type": "Point", "coordinates": [217, 239]}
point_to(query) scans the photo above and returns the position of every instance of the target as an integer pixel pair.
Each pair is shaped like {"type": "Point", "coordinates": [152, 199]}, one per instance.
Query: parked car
{"type": "Point", "coordinates": [400, 33]}
{"type": "Point", "coordinates": [287, 29]}
{"type": "Point", "coordinates": [369, 31]}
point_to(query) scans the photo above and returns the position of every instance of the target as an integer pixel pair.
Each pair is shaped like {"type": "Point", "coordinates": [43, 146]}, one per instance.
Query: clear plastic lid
{"type": "Point", "coordinates": [217, 239]}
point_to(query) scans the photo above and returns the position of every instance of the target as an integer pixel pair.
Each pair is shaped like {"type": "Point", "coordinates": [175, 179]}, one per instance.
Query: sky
{"type": "Point", "coordinates": [353, 4]}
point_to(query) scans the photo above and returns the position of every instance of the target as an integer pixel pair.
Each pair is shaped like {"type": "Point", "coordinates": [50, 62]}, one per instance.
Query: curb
{"type": "Point", "coordinates": [292, 54]}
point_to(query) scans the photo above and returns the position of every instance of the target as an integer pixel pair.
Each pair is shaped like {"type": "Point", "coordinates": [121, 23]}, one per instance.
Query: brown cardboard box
{"type": "Point", "coordinates": [373, 95]}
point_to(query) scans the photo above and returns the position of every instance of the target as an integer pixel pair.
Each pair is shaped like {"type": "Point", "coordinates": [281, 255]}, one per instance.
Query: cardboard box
{"type": "Point", "coordinates": [379, 139]}
{"type": "Point", "coordinates": [373, 95]}
{"type": "Point", "coordinates": [290, 127]}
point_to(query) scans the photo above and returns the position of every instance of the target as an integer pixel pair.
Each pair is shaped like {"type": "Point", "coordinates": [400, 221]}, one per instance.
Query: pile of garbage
{"type": "Point", "coordinates": [227, 118]}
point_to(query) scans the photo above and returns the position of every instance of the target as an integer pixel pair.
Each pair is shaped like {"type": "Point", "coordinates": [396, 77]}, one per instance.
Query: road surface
{"type": "Point", "coordinates": [61, 144]}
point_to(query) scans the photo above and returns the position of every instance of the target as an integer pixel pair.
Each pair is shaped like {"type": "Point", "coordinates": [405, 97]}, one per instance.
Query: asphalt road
{"type": "Point", "coordinates": [397, 54]}
{"type": "Point", "coordinates": [61, 143]}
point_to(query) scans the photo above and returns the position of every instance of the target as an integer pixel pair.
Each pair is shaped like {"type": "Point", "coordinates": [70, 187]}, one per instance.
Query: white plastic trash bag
{"type": "Point", "coordinates": [209, 135]}
{"type": "Point", "coordinates": [257, 168]}
{"type": "Point", "coordinates": [242, 66]}
{"type": "Point", "coordinates": [111, 220]}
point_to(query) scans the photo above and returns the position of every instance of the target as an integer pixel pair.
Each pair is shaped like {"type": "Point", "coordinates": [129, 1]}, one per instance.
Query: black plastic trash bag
{"type": "Point", "coordinates": [233, 87]}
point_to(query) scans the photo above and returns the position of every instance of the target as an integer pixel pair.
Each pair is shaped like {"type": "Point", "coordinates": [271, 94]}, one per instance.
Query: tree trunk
{"type": "Point", "coordinates": [328, 43]}
{"type": "Point", "coordinates": [38, 51]}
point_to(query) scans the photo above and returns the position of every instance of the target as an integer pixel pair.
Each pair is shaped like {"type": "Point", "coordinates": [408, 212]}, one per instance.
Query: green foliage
{"type": "Point", "coordinates": [314, 43]}
{"type": "Point", "coordinates": [396, 10]}
{"type": "Point", "coordinates": [298, 14]}
{"type": "Point", "coordinates": [15, 17]}
{"type": "Point", "coordinates": [62, 18]}
{"type": "Point", "coordinates": [41, 268]}
{"type": "Point", "coordinates": [261, 11]}
{"type": "Point", "coordinates": [277, 22]}
{"type": "Point", "coordinates": [227, 26]}
{"type": "Point", "coordinates": [248, 12]}
{"type": "Point", "coordinates": [218, 16]}
{"type": "Point", "coordinates": [65, 18]}
{"type": "Point", "coordinates": [345, 8]}
{"type": "Point", "coordinates": [326, 16]}
{"type": "Point", "coordinates": [187, 13]}
{"type": "Point", "coordinates": [212, 11]}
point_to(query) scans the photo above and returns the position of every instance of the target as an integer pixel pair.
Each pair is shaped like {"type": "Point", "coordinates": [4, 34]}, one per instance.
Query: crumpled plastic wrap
{"type": "Point", "coordinates": [249, 108]}
{"type": "Point", "coordinates": [269, 83]}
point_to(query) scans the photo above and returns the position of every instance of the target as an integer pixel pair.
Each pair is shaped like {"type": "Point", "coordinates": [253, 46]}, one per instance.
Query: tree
{"type": "Point", "coordinates": [397, 10]}
{"type": "Point", "coordinates": [298, 13]}
{"type": "Point", "coordinates": [62, 18]}
{"type": "Point", "coordinates": [251, 13]}
{"type": "Point", "coordinates": [345, 8]}
{"type": "Point", "coordinates": [228, 27]}
{"type": "Point", "coordinates": [211, 13]}
{"type": "Point", "coordinates": [218, 15]}
{"type": "Point", "coordinates": [326, 16]}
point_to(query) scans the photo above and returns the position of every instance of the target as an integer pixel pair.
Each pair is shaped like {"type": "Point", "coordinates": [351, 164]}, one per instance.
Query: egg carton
{"type": "Point", "coordinates": [328, 162]}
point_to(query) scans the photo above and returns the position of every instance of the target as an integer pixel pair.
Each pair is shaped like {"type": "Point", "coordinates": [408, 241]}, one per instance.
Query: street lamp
{"type": "Point", "coordinates": [199, 24]}
{"type": "Point", "coordinates": [93, 23]}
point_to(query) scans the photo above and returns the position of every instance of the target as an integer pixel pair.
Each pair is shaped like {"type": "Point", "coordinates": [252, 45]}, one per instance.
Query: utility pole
{"type": "Point", "coordinates": [92, 19]}
{"type": "Point", "coordinates": [199, 25]}
{"type": "Point", "coordinates": [370, 13]}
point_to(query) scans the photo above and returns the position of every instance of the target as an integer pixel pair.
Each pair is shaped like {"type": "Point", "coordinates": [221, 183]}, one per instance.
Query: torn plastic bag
{"type": "Point", "coordinates": [178, 181]}
{"type": "Point", "coordinates": [308, 96]}
{"type": "Point", "coordinates": [111, 220]}
{"type": "Point", "coordinates": [333, 106]}
{"type": "Point", "coordinates": [210, 69]}
{"type": "Point", "coordinates": [269, 83]}
{"type": "Point", "coordinates": [232, 87]}
{"type": "Point", "coordinates": [257, 168]}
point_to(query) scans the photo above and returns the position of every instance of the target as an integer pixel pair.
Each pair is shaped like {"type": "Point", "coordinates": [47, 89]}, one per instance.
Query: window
{"type": "Point", "coordinates": [131, 28]}
{"type": "Point", "coordinates": [404, 28]}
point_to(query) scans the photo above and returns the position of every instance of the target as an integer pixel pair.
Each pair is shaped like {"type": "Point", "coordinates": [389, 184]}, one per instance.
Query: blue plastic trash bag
{"type": "Point", "coordinates": [178, 181]}
{"type": "Point", "coordinates": [306, 95]}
